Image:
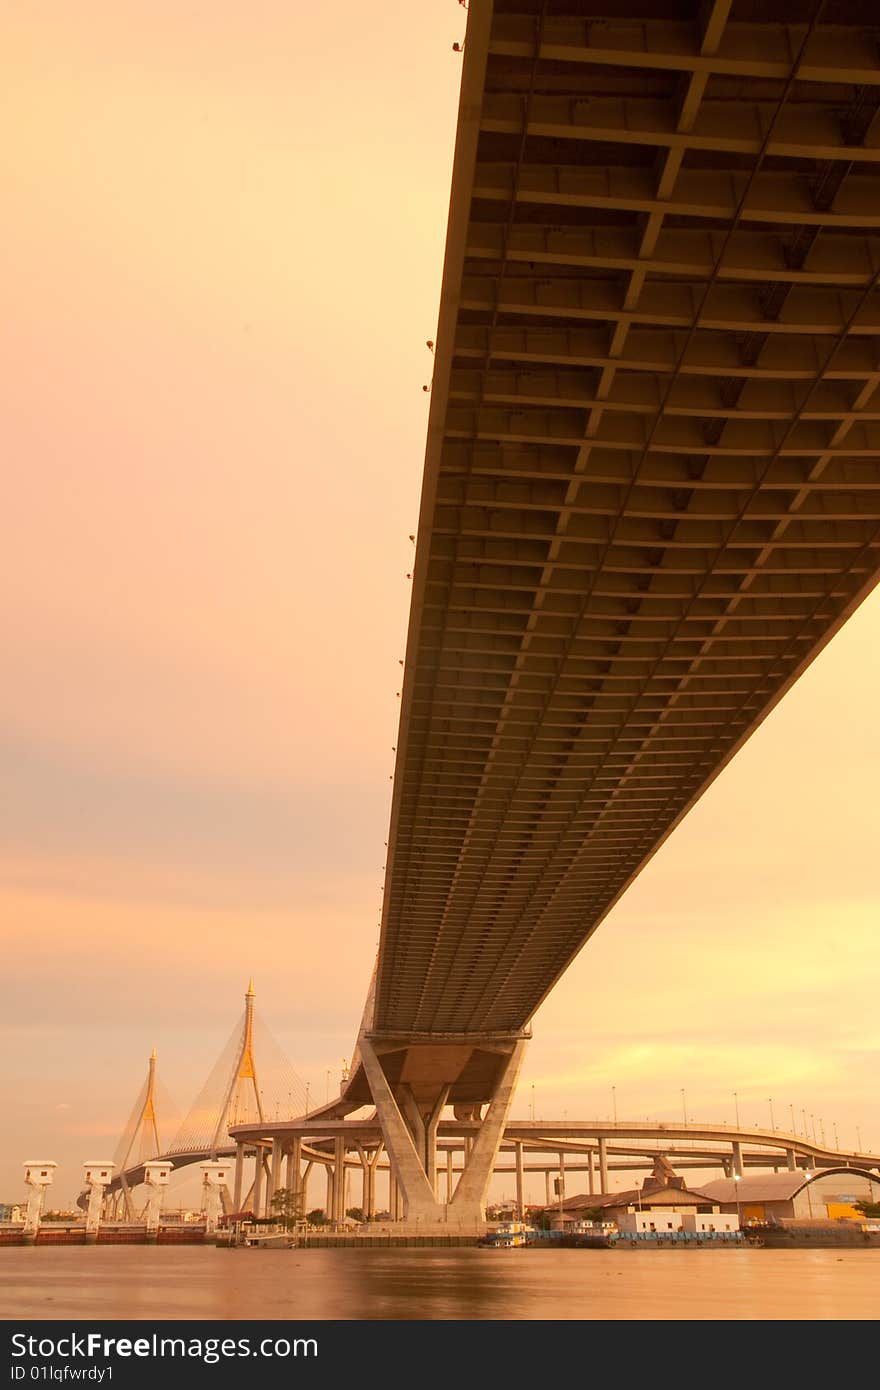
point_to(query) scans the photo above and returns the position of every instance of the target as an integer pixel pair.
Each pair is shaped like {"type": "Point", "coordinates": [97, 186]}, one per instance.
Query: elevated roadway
{"type": "Point", "coordinates": [651, 495]}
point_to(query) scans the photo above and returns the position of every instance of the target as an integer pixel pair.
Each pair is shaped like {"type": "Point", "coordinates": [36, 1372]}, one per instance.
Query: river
{"type": "Point", "coordinates": [151, 1283]}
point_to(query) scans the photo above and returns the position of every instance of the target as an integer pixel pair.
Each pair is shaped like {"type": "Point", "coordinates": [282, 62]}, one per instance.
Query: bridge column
{"type": "Point", "coordinates": [409, 1110]}
{"type": "Point", "coordinates": [469, 1201]}
{"type": "Point", "coordinates": [791, 1160]}
{"type": "Point", "coordinates": [450, 1176]}
{"type": "Point", "coordinates": [274, 1174]}
{"type": "Point", "coordinates": [603, 1164]}
{"type": "Point", "coordinates": [239, 1175]}
{"type": "Point", "coordinates": [410, 1177]}
{"type": "Point", "coordinates": [369, 1163]}
{"type": "Point", "coordinates": [294, 1167]}
{"type": "Point", "coordinates": [432, 1121]}
{"type": "Point", "coordinates": [546, 1187]}
{"type": "Point", "coordinates": [591, 1175]}
{"type": "Point", "coordinates": [258, 1180]}
{"type": "Point", "coordinates": [304, 1186]}
{"type": "Point", "coordinates": [736, 1148]}
{"type": "Point", "coordinates": [520, 1199]}
{"type": "Point", "coordinates": [330, 1202]}
{"type": "Point", "coordinates": [339, 1180]}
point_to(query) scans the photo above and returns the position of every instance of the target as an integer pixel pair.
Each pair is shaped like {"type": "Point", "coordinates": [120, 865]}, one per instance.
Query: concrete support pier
{"type": "Point", "coordinates": [156, 1177]}
{"type": "Point", "coordinates": [215, 1179]}
{"type": "Point", "coordinates": [97, 1178]}
{"type": "Point", "coordinates": [38, 1175]}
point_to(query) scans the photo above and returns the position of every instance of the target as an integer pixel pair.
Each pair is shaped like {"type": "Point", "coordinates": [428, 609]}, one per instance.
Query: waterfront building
{"type": "Point", "coordinates": [661, 1204]}
{"type": "Point", "coordinates": [806, 1196]}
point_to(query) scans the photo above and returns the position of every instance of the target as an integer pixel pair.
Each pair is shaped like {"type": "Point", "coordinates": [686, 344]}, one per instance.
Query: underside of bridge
{"type": "Point", "coordinates": [652, 483]}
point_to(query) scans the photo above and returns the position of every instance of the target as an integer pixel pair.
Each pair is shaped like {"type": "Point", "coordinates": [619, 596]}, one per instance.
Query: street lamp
{"type": "Point", "coordinates": [614, 1102]}
{"type": "Point", "coordinates": [736, 1107]}
{"type": "Point", "coordinates": [684, 1107]}
{"type": "Point", "coordinates": [770, 1103]}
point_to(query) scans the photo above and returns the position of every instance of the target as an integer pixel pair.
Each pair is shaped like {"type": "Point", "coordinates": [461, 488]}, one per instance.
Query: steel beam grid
{"type": "Point", "coordinates": [653, 470]}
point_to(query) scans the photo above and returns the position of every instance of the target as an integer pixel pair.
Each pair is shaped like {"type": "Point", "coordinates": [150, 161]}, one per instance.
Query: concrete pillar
{"type": "Point", "coordinates": [603, 1165]}
{"type": "Point", "coordinates": [339, 1186]}
{"type": "Point", "coordinates": [239, 1175]}
{"type": "Point", "coordinates": [274, 1182]}
{"type": "Point", "coordinates": [520, 1195]}
{"type": "Point", "coordinates": [406, 1160]}
{"type": "Point", "coordinates": [365, 1182]}
{"type": "Point", "coordinates": [97, 1177]}
{"type": "Point", "coordinates": [591, 1174]}
{"type": "Point", "coordinates": [727, 1165]}
{"type": "Point", "coordinates": [258, 1181]}
{"type": "Point", "coordinates": [156, 1176]}
{"type": "Point", "coordinates": [450, 1176]}
{"type": "Point", "coordinates": [304, 1186]}
{"type": "Point", "coordinates": [469, 1203]}
{"type": "Point", "coordinates": [546, 1187]}
{"type": "Point", "coordinates": [791, 1160]}
{"type": "Point", "coordinates": [215, 1177]}
{"type": "Point", "coordinates": [432, 1122]}
{"type": "Point", "coordinates": [330, 1204]}
{"type": "Point", "coordinates": [392, 1195]}
{"type": "Point", "coordinates": [737, 1154]}
{"type": "Point", "coordinates": [38, 1176]}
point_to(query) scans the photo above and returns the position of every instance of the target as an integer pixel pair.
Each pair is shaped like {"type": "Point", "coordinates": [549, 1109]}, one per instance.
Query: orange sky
{"type": "Point", "coordinates": [224, 230]}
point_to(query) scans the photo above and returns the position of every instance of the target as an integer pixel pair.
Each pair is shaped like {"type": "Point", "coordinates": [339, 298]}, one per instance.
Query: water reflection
{"type": "Point", "coordinates": [151, 1283]}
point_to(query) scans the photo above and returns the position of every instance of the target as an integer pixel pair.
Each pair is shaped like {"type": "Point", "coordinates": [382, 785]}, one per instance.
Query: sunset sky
{"type": "Point", "coordinates": [224, 228]}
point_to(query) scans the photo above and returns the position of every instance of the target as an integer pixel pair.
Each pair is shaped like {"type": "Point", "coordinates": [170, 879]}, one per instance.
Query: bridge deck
{"type": "Point", "coordinates": [652, 483]}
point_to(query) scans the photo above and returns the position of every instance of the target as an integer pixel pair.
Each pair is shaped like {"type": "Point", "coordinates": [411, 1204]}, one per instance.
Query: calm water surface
{"type": "Point", "coordinates": [154, 1282]}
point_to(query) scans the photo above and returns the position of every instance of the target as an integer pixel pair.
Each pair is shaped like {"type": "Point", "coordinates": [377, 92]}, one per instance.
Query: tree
{"type": "Point", "coordinates": [869, 1209]}
{"type": "Point", "coordinates": [316, 1217]}
{"type": "Point", "coordinates": [287, 1206]}
{"type": "Point", "coordinates": [356, 1214]}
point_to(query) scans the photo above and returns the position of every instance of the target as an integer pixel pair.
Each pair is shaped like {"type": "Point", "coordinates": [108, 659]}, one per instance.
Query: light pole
{"type": "Point", "coordinates": [533, 1100]}
{"type": "Point", "coordinates": [836, 1140]}
{"type": "Point", "coordinates": [736, 1107]}
{"type": "Point", "coordinates": [859, 1138]}
{"type": "Point", "coordinates": [793, 1125]}
{"type": "Point", "coordinates": [614, 1102]}
{"type": "Point", "coordinates": [684, 1108]}
{"type": "Point", "coordinates": [770, 1103]}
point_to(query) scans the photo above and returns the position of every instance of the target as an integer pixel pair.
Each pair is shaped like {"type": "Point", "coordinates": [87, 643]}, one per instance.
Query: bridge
{"type": "Point", "coordinates": [651, 496]}
{"type": "Point", "coordinates": [290, 1148]}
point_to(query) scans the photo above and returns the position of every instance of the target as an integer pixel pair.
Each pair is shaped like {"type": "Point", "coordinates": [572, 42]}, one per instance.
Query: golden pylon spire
{"type": "Point", "coordinates": [245, 1071]}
